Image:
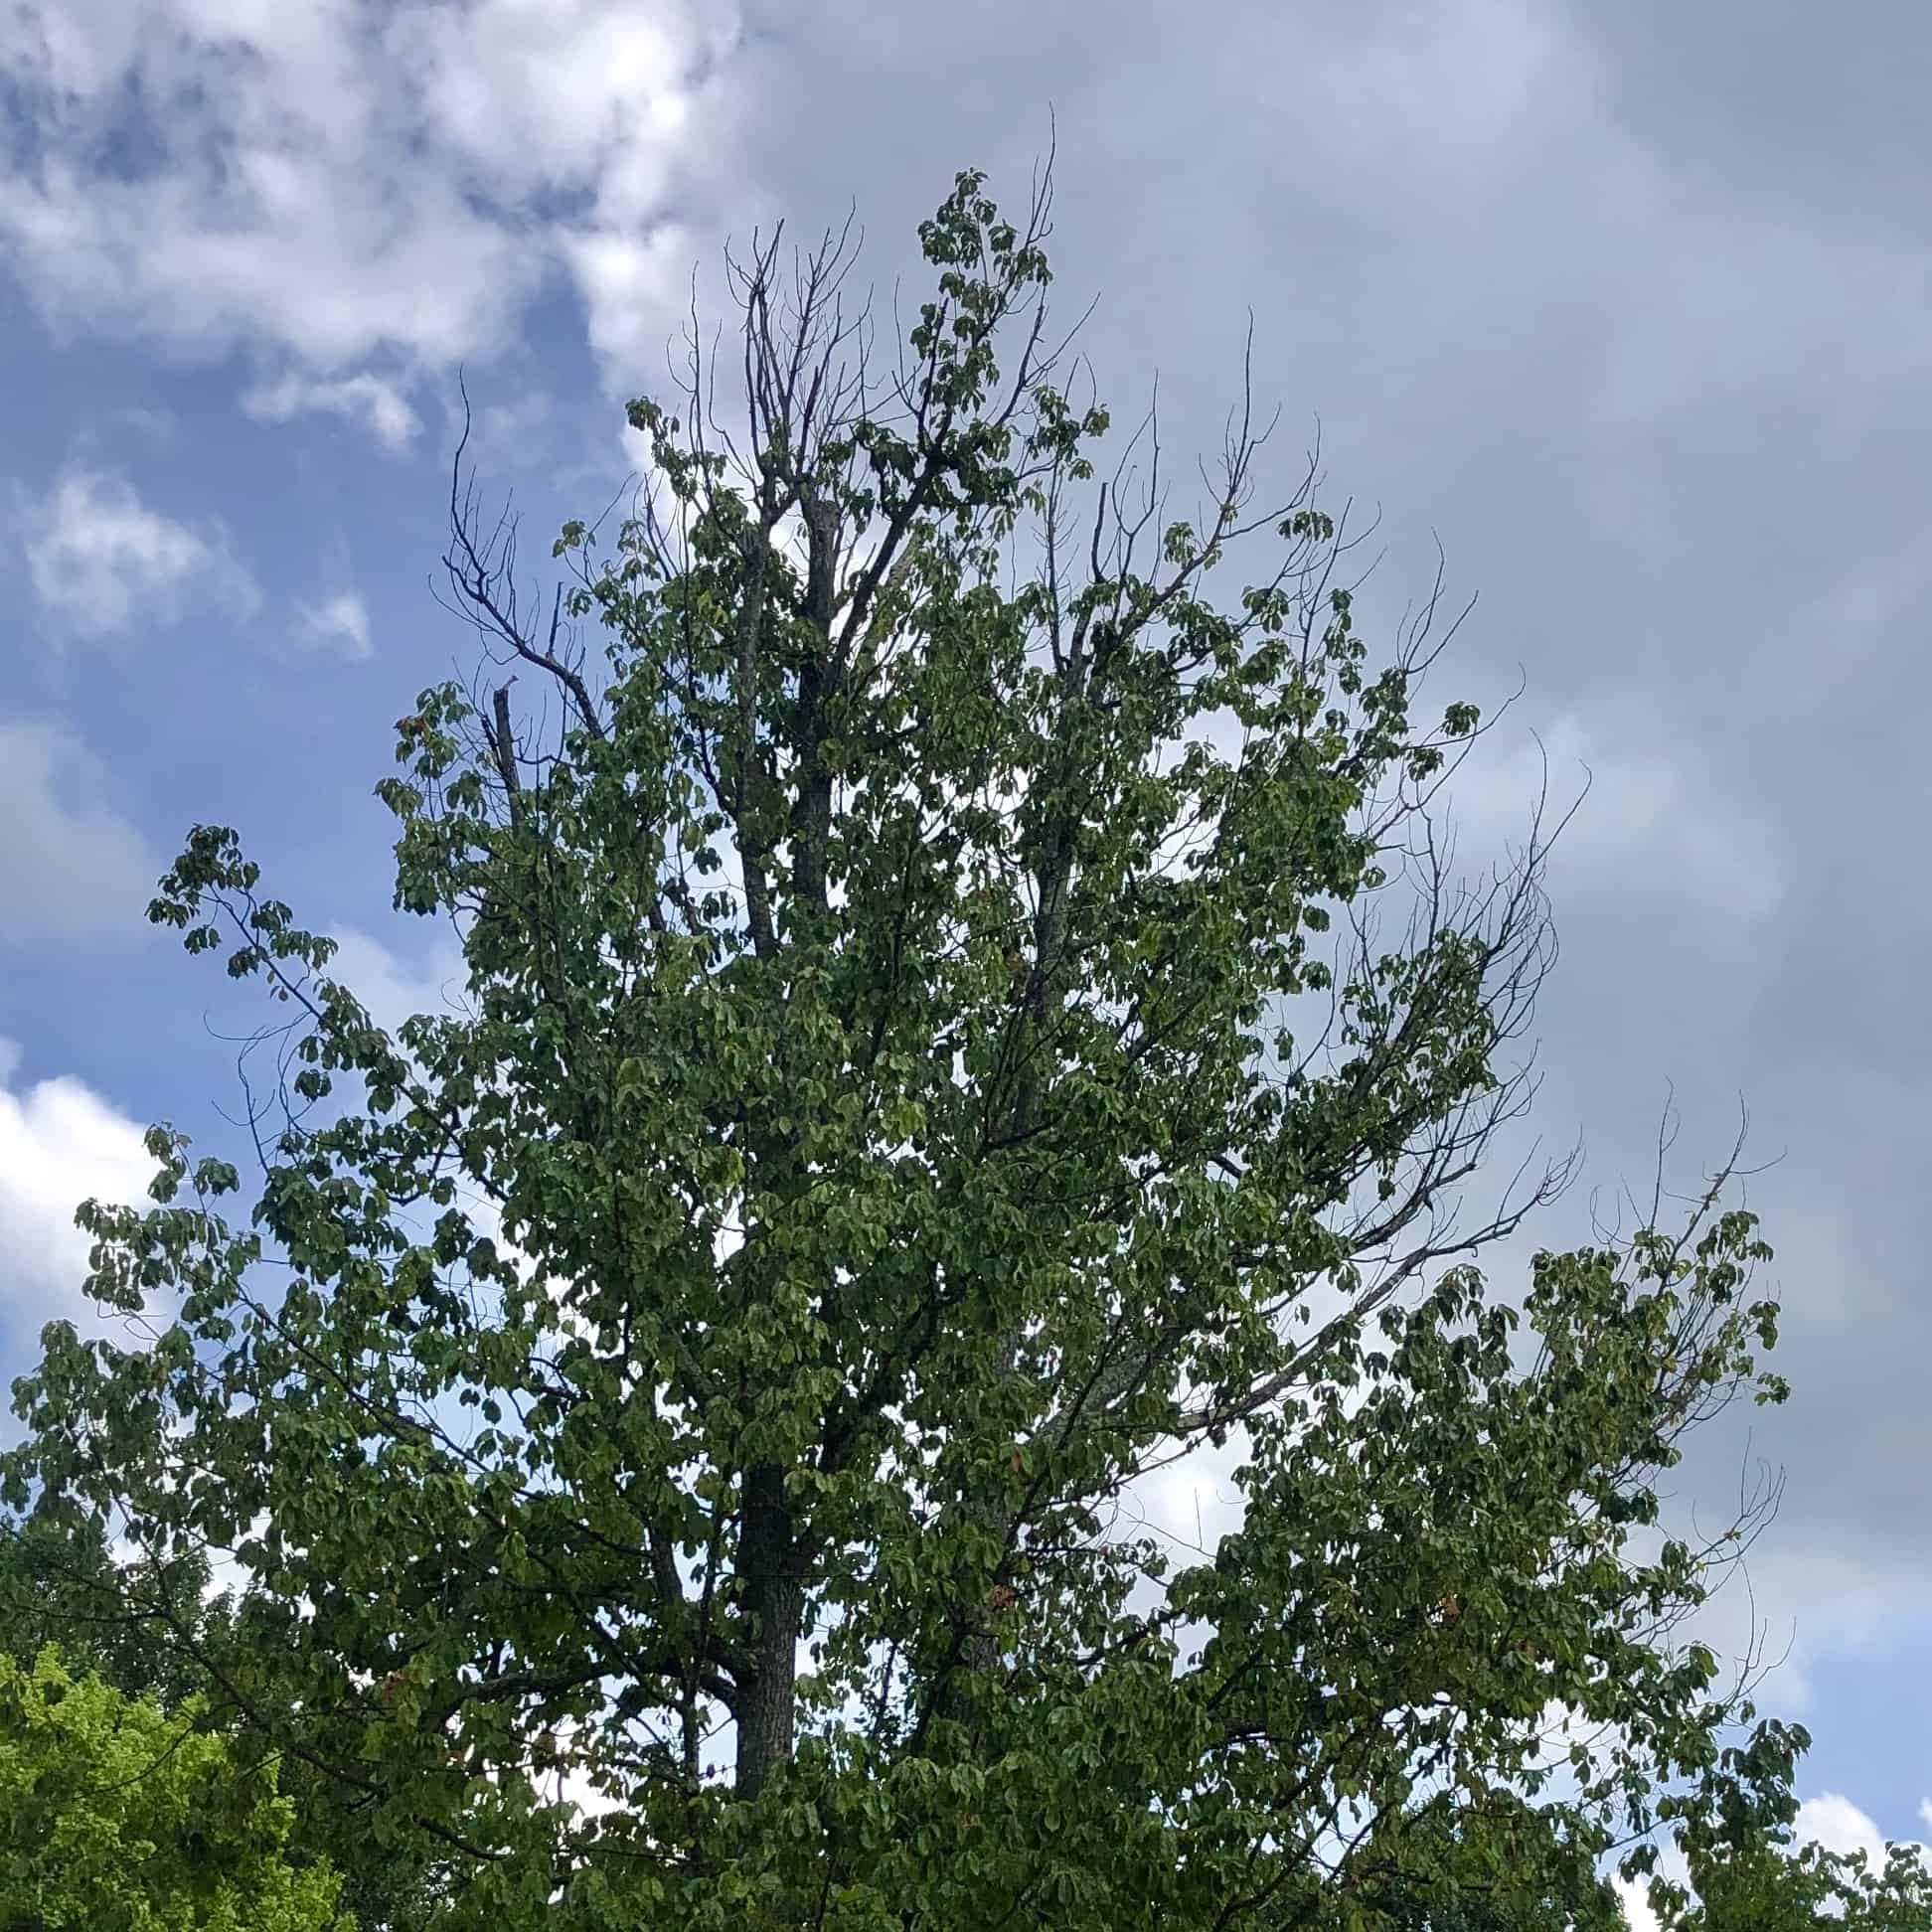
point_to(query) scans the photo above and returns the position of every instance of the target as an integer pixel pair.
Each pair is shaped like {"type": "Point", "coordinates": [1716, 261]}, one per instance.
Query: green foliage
{"type": "Point", "coordinates": [1501, 1865]}
{"type": "Point", "coordinates": [1746, 1874]}
{"type": "Point", "coordinates": [929, 1060]}
{"type": "Point", "coordinates": [58, 1585]}
{"type": "Point", "coordinates": [1778, 1889]}
{"type": "Point", "coordinates": [152, 1629]}
{"type": "Point", "coordinates": [118, 1817]}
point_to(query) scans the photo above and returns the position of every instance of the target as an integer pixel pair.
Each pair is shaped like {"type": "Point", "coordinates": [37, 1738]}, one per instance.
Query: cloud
{"type": "Point", "coordinates": [379, 405]}
{"type": "Point", "coordinates": [1634, 1898]}
{"type": "Point", "coordinates": [394, 988]}
{"type": "Point", "coordinates": [339, 623]}
{"type": "Point", "coordinates": [1834, 1821]}
{"type": "Point", "coordinates": [99, 558]}
{"type": "Point", "coordinates": [326, 183]}
{"type": "Point", "coordinates": [59, 1143]}
{"type": "Point", "coordinates": [630, 284]}
{"type": "Point", "coordinates": [71, 868]}
{"type": "Point", "coordinates": [1651, 824]}
{"type": "Point", "coordinates": [112, 427]}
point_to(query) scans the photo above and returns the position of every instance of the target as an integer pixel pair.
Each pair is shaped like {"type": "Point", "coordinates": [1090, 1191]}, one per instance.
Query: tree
{"type": "Point", "coordinates": [1495, 1865]}
{"type": "Point", "coordinates": [1745, 1875]}
{"type": "Point", "coordinates": [153, 1630]}
{"type": "Point", "coordinates": [956, 1017]}
{"type": "Point", "coordinates": [117, 1814]}
{"type": "Point", "coordinates": [58, 1585]}
{"type": "Point", "coordinates": [1778, 1887]}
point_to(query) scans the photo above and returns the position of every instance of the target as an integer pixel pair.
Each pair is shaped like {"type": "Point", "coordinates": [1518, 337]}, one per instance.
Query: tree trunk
{"type": "Point", "coordinates": [774, 1593]}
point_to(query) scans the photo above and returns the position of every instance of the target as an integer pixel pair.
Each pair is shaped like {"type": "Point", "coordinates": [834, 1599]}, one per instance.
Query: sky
{"type": "Point", "coordinates": [1625, 307]}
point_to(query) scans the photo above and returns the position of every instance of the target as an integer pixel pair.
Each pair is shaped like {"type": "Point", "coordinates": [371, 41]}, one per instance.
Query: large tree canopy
{"type": "Point", "coordinates": [958, 1015]}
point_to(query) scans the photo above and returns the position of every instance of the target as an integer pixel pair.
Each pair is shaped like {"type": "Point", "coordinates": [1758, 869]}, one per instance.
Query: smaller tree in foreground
{"type": "Point", "coordinates": [117, 1814]}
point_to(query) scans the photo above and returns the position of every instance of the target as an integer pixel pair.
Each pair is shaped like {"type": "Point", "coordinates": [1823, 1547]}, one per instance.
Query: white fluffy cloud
{"type": "Point", "coordinates": [339, 623]}
{"type": "Point", "coordinates": [394, 988]}
{"type": "Point", "coordinates": [69, 867]}
{"type": "Point", "coordinates": [1834, 1821]}
{"type": "Point", "coordinates": [379, 405]}
{"type": "Point", "coordinates": [324, 184]}
{"type": "Point", "coordinates": [102, 560]}
{"type": "Point", "coordinates": [59, 1143]}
